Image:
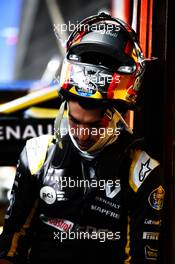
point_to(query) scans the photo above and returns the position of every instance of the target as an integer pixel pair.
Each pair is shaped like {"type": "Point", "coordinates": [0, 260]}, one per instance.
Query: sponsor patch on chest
{"type": "Point", "coordinates": [60, 224]}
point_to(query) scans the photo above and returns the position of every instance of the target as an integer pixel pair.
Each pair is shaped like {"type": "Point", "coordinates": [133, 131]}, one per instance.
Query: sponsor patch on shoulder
{"type": "Point", "coordinates": [141, 166]}
{"type": "Point", "coordinates": [156, 198]}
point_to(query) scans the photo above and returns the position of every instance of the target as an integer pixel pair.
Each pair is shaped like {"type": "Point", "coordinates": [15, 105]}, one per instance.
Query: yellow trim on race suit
{"type": "Point", "coordinates": [127, 247]}
{"type": "Point", "coordinates": [142, 164]}
{"type": "Point", "coordinates": [22, 232]}
{"type": "Point", "coordinates": [36, 151]}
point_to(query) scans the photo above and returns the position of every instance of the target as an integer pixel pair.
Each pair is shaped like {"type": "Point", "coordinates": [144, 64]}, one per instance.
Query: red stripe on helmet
{"type": "Point", "coordinates": [113, 85]}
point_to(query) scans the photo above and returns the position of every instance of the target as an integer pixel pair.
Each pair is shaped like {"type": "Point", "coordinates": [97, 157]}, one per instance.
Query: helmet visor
{"type": "Point", "coordinates": [98, 82]}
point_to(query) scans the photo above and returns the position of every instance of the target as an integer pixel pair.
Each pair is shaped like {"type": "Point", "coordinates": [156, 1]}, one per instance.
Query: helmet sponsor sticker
{"type": "Point", "coordinates": [108, 29]}
{"type": "Point", "coordinates": [48, 194]}
{"type": "Point", "coordinates": [60, 224]}
{"type": "Point", "coordinates": [88, 89]}
{"type": "Point", "coordinates": [156, 198]}
{"type": "Point", "coordinates": [151, 253]}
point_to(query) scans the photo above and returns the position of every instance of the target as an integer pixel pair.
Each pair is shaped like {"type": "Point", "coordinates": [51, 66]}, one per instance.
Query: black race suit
{"type": "Point", "coordinates": [66, 209]}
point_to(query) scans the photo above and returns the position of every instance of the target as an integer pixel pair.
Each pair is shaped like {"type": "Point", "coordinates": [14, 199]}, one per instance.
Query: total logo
{"type": "Point", "coordinates": [49, 195]}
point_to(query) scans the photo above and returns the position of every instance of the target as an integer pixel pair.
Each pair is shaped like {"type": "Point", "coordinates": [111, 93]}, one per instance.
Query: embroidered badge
{"type": "Point", "coordinates": [156, 198]}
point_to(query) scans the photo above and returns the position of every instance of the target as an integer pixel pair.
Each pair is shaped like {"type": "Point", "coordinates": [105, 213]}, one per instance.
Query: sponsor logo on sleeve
{"type": "Point", "coordinates": [153, 222]}
{"type": "Point", "coordinates": [156, 198]}
{"type": "Point", "coordinates": [151, 253]}
{"type": "Point", "coordinates": [151, 235]}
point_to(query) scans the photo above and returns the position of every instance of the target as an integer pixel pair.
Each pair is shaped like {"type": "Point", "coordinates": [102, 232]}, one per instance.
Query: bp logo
{"type": "Point", "coordinates": [48, 194]}
{"type": "Point", "coordinates": [156, 198]}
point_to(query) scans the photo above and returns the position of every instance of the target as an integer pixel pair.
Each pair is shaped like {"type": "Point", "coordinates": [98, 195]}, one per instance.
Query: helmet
{"type": "Point", "coordinates": [103, 62]}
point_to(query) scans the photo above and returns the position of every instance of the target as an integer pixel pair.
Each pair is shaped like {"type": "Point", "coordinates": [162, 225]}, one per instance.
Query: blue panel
{"type": "Point", "coordinates": [10, 13]}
